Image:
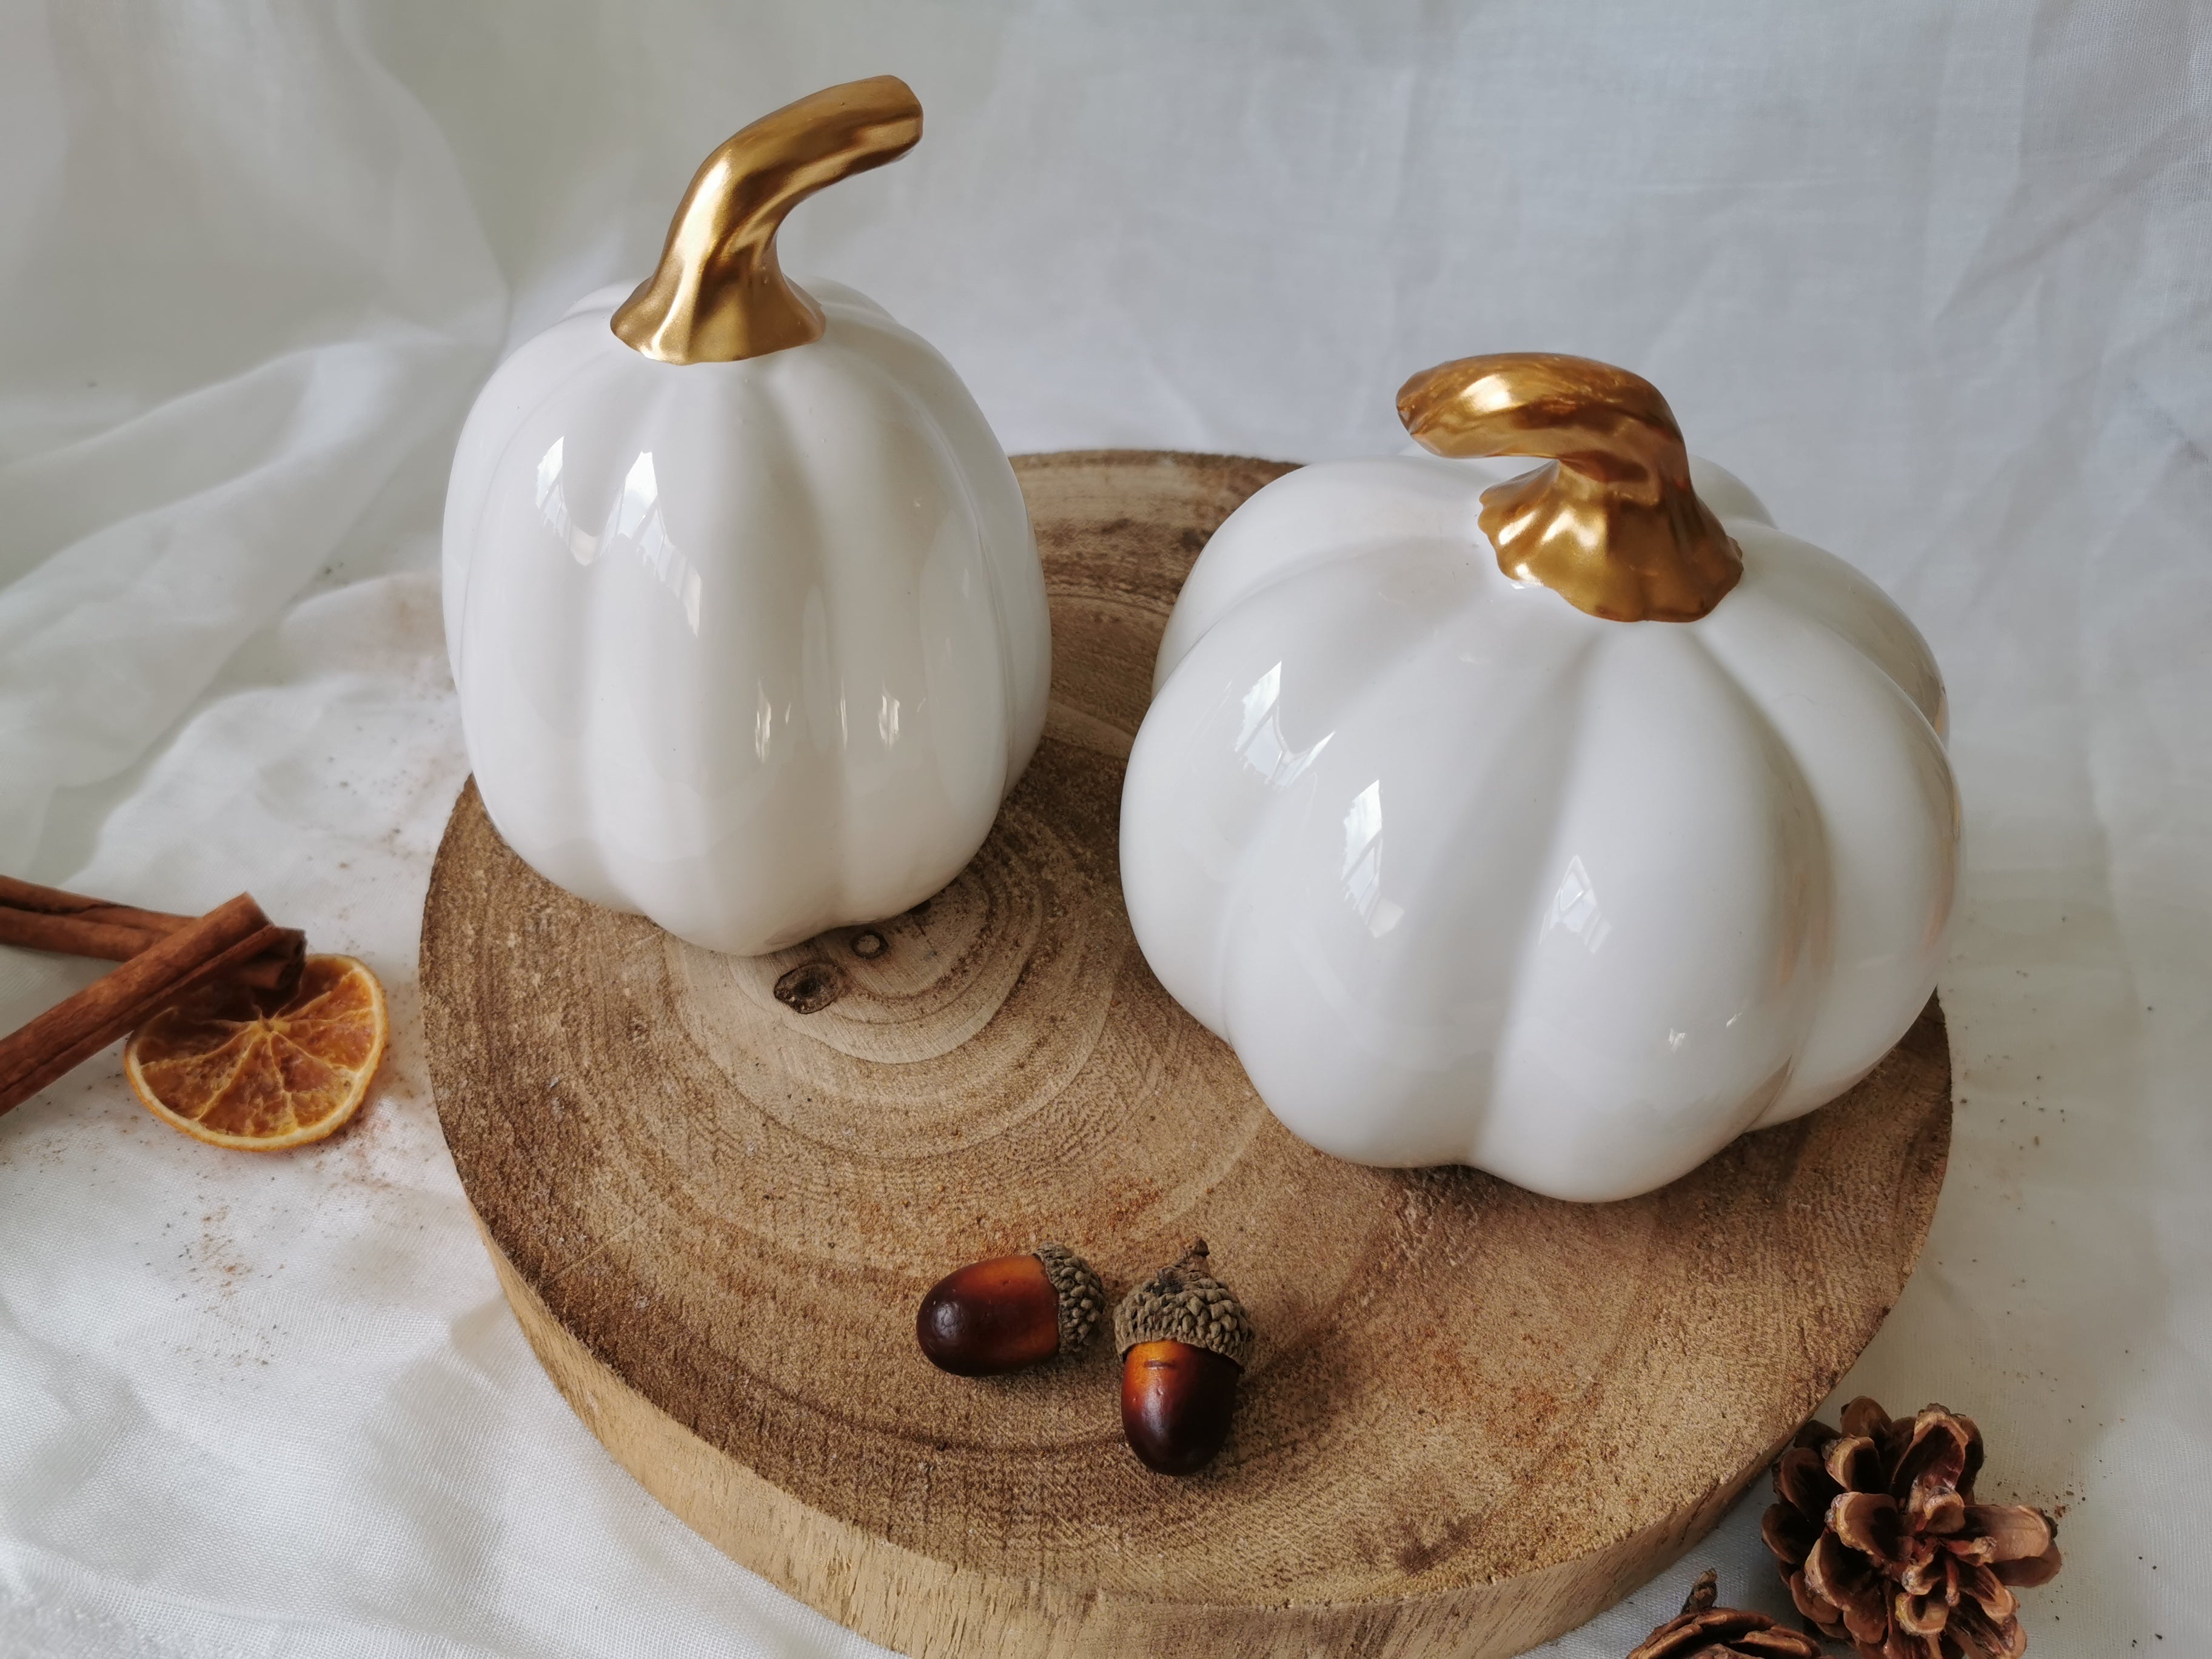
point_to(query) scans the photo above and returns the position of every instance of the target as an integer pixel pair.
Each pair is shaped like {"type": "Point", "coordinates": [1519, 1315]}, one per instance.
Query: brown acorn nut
{"type": "Point", "coordinates": [1012, 1311]}
{"type": "Point", "coordinates": [1184, 1340]}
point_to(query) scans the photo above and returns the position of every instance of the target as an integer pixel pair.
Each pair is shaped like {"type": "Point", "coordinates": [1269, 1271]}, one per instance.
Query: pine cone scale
{"type": "Point", "coordinates": [1789, 1535]}
{"type": "Point", "coordinates": [1818, 1612]}
{"type": "Point", "coordinates": [1920, 1615]}
{"type": "Point", "coordinates": [1937, 1509]}
{"type": "Point", "coordinates": [1842, 1578]}
{"type": "Point", "coordinates": [1853, 1463]}
{"type": "Point", "coordinates": [1974, 1452]}
{"type": "Point", "coordinates": [1864, 1420]}
{"type": "Point", "coordinates": [1991, 1594]}
{"type": "Point", "coordinates": [1800, 1481]}
{"type": "Point", "coordinates": [2014, 1531]}
{"type": "Point", "coordinates": [1935, 1455]}
{"type": "Point", "coordinates": [2026, 1575]}
{"type": "Point", "coordinates": [1998, 1639]}
{"type": "Point", "coordinates": [1868, 1521]}
{"type": "Point", "coordinates": [1773, 1643]}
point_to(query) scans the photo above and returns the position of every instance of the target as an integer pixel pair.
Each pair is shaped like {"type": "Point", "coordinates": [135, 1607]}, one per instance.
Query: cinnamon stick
{"type": "Point", "coordinates": [215, 946]}
{"type": "Point", "coordinates": [47, 919]}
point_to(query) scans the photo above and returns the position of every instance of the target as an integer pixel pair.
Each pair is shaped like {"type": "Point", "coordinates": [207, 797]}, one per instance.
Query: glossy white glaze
{"type": "Point", "coordinates": [754, 647]}
{"type": "Point", "coordinates": [1466, 875]}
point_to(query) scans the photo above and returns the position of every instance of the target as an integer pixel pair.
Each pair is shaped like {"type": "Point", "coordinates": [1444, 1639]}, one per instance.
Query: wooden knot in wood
{"type": "Point", "coordinates": [810, 987]}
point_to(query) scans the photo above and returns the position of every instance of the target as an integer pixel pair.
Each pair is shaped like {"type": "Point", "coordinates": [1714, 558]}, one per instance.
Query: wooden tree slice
{"type": "Point", "coordinates": [716, 1188]}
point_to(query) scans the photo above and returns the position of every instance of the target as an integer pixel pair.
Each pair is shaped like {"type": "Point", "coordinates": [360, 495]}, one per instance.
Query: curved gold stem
{"type": "Point", "coordinates": [719, 293]}
{"type": "Point", "coordinates": [1612, 525]}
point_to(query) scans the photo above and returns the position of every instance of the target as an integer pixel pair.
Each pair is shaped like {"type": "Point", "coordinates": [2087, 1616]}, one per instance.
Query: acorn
{"type": "Point", "coordinates": [1010, 1312]}
{"type": "Point", "coordinates": [1184, 1340]}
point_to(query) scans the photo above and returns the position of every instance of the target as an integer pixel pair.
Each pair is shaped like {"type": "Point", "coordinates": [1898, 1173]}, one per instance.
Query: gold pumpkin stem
{"type": "Point", "coordinates": [1612, 524]}
{"type": "Point", "coordinates": [719, 294]}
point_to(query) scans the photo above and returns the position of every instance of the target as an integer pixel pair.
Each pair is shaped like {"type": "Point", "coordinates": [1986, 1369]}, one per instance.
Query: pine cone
{"type": "Point", "coordinates": [1702, 1631]}
{"type": "Point", "coordinates": [1884, 1546]}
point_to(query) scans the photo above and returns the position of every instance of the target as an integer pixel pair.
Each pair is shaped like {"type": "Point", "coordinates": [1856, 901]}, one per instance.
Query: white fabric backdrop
{"type": "Point", "coordinates": [1937, 281]}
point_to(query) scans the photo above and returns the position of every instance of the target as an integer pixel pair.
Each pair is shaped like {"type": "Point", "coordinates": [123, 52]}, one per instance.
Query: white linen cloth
{"type": "Point", "coordinates": [1935, 280]}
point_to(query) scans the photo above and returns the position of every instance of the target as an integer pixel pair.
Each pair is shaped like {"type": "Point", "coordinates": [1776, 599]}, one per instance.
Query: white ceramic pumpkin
{"type": "Point", "coordinates": [740, 592]}
{"type": "Point", "coordinates": [1571, 862]}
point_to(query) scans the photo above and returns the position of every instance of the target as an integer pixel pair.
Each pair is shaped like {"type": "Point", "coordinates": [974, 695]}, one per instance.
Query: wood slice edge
{"type": "Point", "coordinates": [931, 1609]}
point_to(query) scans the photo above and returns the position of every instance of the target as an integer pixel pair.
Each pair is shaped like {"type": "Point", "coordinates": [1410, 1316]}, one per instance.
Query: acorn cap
{"type": "Point", "coordinates": [1185, 1303]}
{"type": "Point", "coordinates": [1082, 1297]}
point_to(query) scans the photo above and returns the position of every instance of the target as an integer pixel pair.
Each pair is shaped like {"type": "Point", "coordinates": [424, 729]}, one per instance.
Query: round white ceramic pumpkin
{"type": "Point", "coordinates": [755, 645]}
{"type": "Point", "coordinates": [1465, 873]}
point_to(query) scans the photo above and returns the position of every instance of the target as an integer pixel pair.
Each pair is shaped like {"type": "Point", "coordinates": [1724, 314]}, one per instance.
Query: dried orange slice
{"type": "Point", "coordinates": [235, 1067]}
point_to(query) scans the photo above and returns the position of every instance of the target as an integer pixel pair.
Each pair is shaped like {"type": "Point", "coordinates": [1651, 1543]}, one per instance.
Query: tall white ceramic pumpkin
{"type": "Point", "coordinates": [1566, 826]}
{"type": "Point", "coordinates": [740, 592]}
